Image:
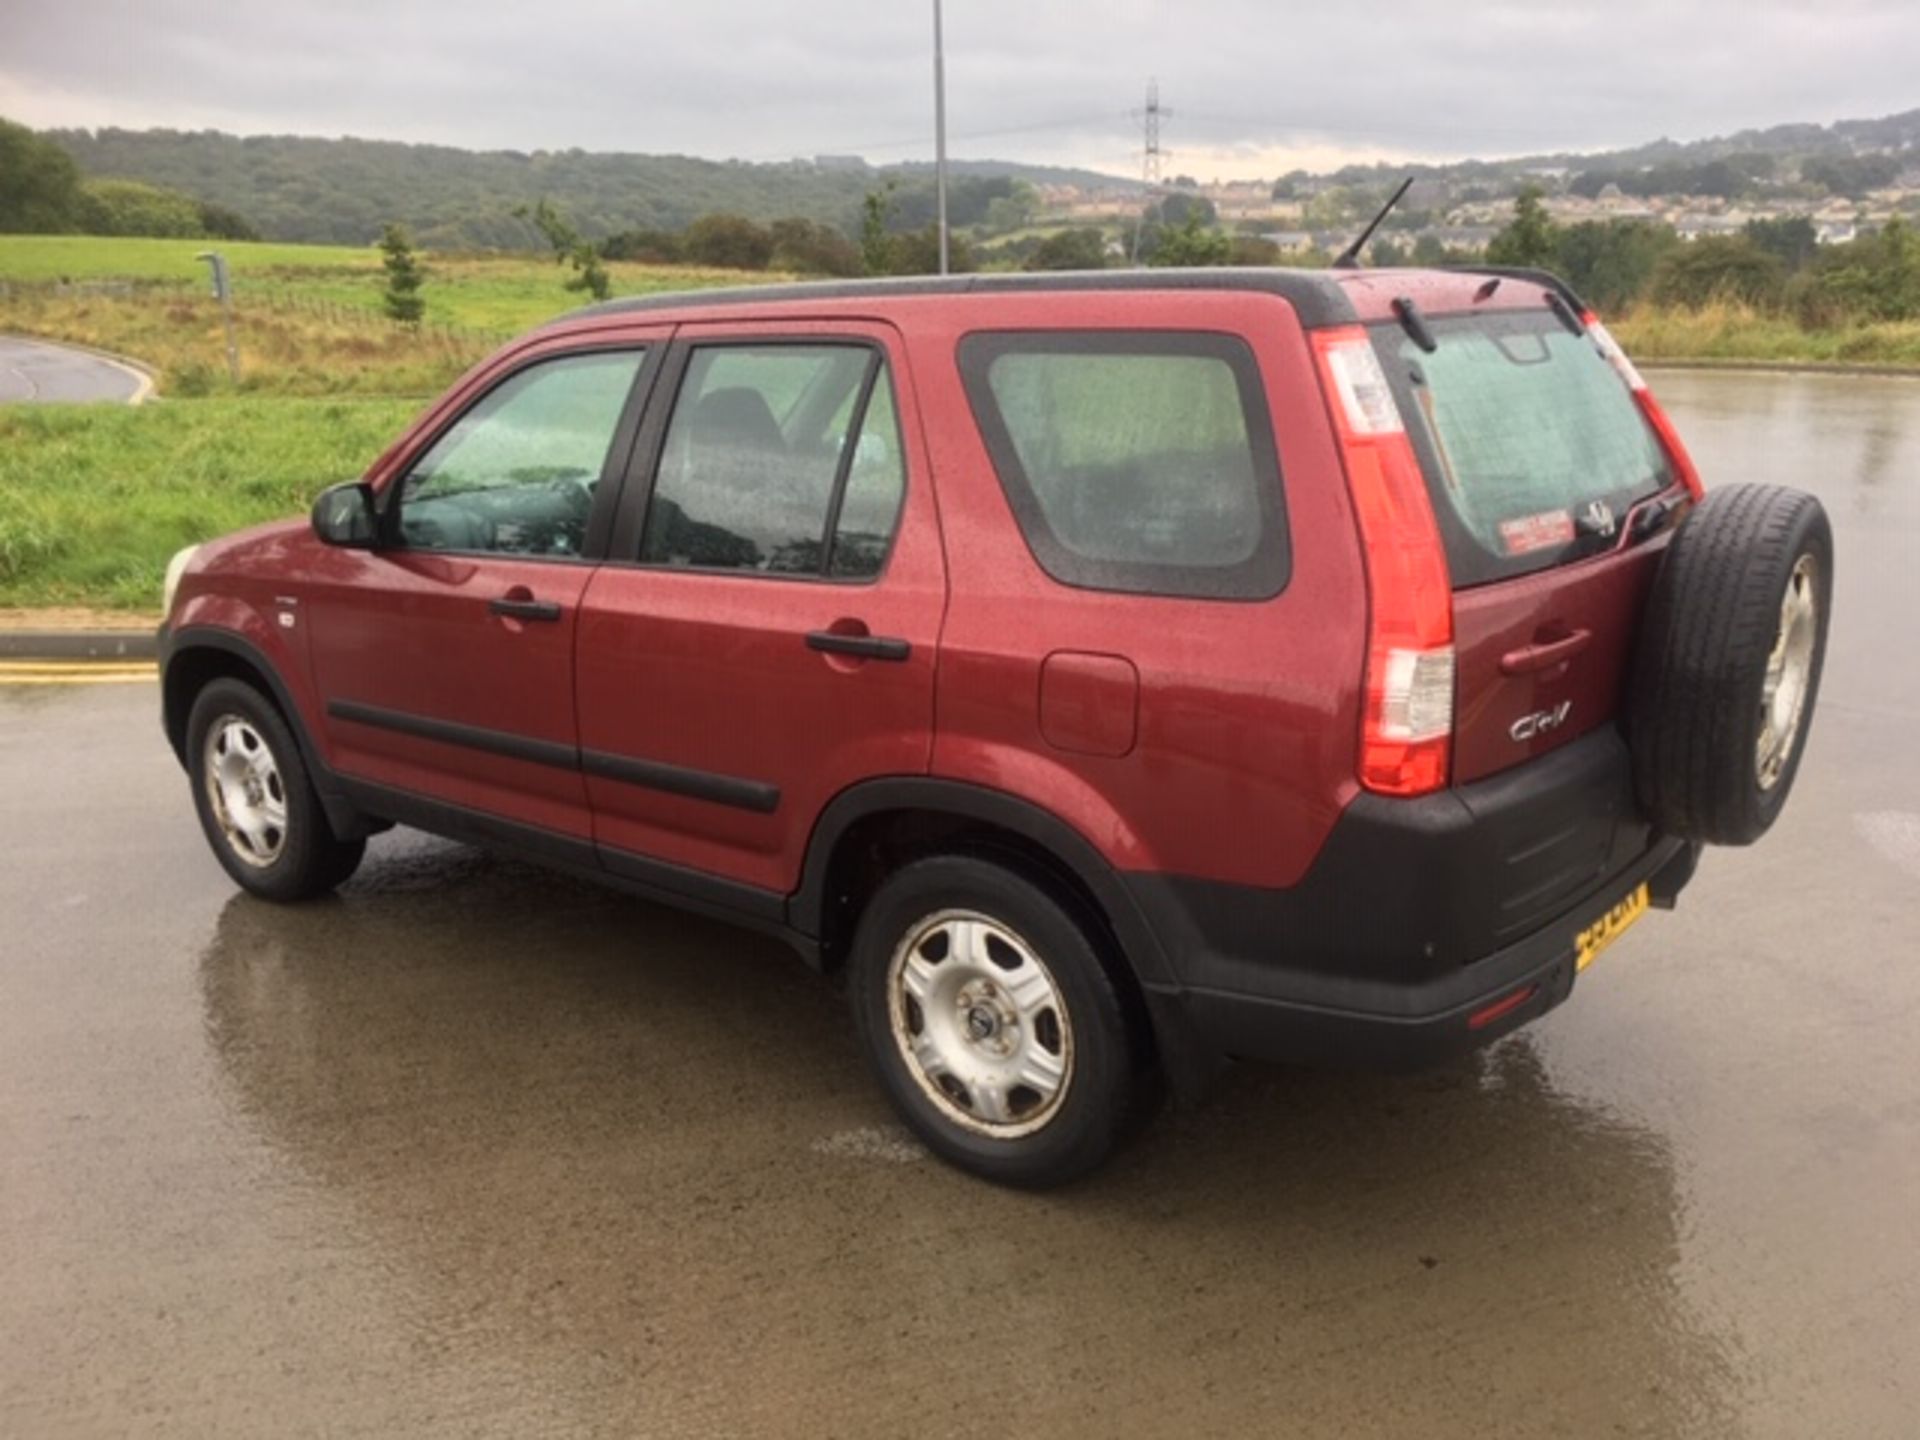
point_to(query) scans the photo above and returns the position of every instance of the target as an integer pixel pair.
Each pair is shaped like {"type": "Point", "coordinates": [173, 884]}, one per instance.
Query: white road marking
{"type": "Point", "coordinates": [113, 677]}
{"type": "Point", "coordinates": [872, 1142]}
{"type": "Point", "coordinates": [1895, 834]}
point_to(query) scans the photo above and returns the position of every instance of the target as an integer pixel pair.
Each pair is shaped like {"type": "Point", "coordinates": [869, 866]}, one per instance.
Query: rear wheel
{"type": "Point", "coordinates": [993, 1025]}
{"type": "Point", "coordinates": [255, 801]}
{"type": "Point", "coordinates": [1734, 644]}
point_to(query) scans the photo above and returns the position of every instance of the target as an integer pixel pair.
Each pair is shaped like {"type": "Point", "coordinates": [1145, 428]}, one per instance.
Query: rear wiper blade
{"type": "Point", "coordinates": [1565, 312]}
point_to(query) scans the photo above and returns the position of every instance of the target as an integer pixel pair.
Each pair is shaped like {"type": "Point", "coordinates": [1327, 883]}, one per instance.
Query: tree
{"type": "Point", "coordinates": [1079, 249]}
{"type": "Point", "coordinates": [1792, 238]}
{"type": "Point", "coordinates": [1174, 210]}
{"type": "Point", "coordinates": [404, 277]}
{"type": "Point", "coordinates": [1728, 267]}
{"type": "Point", "coordinates": [1015, 211]}
{"type": "Point", "coordinates": [1612, 263]}
{"type": "Point", "coordinates": [1851, 175]}
{"type": "Point", "coordinates": [1878, 275]}
{"type": "Point", "coordinates": [731, 242]}
{"type": "Point", "coordinates": [812, 248]}
{"type": "Point", "coordinates": [656, 247]}
{"type": "Point", "coordinates": [569, 249]}
{"type": "Point", "coordinates": [1531, 239]}
{"type": "Point", "coordinates": [1252, 250]}
{"type": "Point", "coordinates": [1191, 245]}
{"type": "Point", "coordinates": [876, 245]}
{"type": "Point", "coordinates": [39, 184]}
{"type": "Point", "coordinates": [127, 207]}
{"type": "Point", "coordinates": [220, 223]}
{"type": "Point", "coordinates": [918, 253]}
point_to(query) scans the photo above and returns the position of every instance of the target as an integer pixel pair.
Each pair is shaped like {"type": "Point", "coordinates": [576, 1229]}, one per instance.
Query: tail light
{"type": "Point", "coordinates": [1683, 467]}
{"type": "Point", "coordinates": [1407, 728]}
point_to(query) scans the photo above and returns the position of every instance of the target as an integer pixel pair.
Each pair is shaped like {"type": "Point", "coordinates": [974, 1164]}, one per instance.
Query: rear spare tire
{"type": "Point", "coordinates": [1729, 663]}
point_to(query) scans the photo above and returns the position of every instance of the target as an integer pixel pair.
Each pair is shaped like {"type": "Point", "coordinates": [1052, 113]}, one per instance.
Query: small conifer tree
{"type": "Point", "coordinates": [404, 277]}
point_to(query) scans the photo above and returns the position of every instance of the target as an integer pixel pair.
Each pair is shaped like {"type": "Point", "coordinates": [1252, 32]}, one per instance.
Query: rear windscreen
{"type": "Point", "coordinates": [1534, 449]}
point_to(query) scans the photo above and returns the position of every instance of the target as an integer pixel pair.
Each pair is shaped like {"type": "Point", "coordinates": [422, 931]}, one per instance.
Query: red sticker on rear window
{"type": "Point", "coordinates": [1536, 532]}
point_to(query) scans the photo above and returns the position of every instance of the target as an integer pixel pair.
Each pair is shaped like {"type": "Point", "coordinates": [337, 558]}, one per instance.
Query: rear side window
{"type": "Point", "coordinates": [779, 458]}
{"type": "Point", "coordinates": [1533, 449]}
{"type": "Point", "coordinates": [1135, 461]}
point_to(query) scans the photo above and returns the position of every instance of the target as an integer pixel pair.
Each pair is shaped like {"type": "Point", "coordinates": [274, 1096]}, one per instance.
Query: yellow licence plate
{"type": "Point", "coordinates": [1607, 929]}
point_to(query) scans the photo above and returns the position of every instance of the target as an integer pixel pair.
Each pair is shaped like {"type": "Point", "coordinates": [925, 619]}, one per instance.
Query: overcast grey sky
{"type": "Point", "coordinates": [1256, 86]}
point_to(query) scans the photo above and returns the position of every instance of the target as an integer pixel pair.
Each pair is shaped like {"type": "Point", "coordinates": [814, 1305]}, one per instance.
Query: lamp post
{"type": "Point", "coordinates": [940, 132]}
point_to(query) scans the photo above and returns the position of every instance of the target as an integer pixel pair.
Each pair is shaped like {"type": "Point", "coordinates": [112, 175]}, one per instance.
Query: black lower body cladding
{"type": "Point", "coordinates": [1415, 914]}
{"type": "Point", "coordinates": [1729, 664]}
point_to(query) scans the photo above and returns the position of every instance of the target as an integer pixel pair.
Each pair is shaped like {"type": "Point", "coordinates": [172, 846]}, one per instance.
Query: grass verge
{"type": "Point", "coordinates": [94, 499]}
{"type": "Point", "coordinates": [1739, 333]}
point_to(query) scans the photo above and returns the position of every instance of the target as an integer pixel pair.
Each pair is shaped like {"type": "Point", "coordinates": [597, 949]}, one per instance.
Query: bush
{"type": "Point", "coordinates": [1081, 249]}
{"type": "Point", "coordinates": [655, 247]}
{"type": "Point", "coordinates": [1252, 250]}
{"type": "Point", "coordinates": [728, 242]}
{"type": "Point", "coordinates": [1191, 245]}
{"type": "Point", "coordinates": [918, 253]}
{"type": "Point", "coordinates": [1720, 268]}
{"type": "Point", "coordinates": [1876, 277]}
{"type": "Point", "coordinates": [127, 207]}
{"type": "Point", "coordinates": [813, 248]}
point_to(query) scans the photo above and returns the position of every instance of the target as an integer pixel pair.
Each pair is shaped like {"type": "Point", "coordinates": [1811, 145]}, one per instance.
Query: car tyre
{"type": "Point", "coordinates": [1730, 661]}
{"type": "Point", "coordinates": [996, 1030]}
{"type": "Point", "coordinates": [255, 799]}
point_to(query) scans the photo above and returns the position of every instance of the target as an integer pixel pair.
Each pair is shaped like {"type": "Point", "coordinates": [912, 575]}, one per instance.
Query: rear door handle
{"type": "Point", "coordinates": [1544, 654]}
{"type": "Point", "coordinates": [520, 609]}
{"type": "Point", "coordinates": [869, 647]}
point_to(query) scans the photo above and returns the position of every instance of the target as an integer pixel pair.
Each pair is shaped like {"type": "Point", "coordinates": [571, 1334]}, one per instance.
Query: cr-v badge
{"type": "Point", "coordinates": [1540, 722]}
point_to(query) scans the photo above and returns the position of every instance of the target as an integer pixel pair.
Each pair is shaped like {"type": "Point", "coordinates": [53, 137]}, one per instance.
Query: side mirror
{"type": "Point", "coordinates": [344, 516]}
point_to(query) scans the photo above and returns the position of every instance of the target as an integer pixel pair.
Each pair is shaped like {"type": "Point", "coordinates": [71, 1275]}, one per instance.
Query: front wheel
{"type": "Point", "coordinates": [255, 802]}
{"type": "Point", "coordinates": [995, 1029]}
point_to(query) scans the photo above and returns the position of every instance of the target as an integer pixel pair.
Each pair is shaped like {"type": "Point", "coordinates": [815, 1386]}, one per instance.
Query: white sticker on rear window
{"type": "Point", "coordinates": [1528, 533]}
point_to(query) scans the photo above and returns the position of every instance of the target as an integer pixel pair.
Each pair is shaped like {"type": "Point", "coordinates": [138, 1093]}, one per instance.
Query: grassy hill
{"type": "Point", "coordinates": [342, 191]}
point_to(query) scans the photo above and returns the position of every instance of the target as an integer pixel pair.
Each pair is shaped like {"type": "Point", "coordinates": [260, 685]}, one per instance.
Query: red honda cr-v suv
{"type": "Point", "coordinates": [1109, 672]}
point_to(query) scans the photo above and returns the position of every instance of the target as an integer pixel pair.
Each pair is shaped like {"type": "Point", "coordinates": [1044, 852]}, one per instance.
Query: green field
{"type": "Point", "coordinates": [94, 498]}
{"type": "Point", "coordinates": [492, 296]}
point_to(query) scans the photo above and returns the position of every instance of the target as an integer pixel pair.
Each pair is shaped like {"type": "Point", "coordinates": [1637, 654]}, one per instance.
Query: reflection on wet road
{"type": "Point", "coordinates": [474, 1149]}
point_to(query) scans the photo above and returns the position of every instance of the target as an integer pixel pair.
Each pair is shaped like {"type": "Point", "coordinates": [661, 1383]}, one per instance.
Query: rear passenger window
{"type": "Point", "coordinates": [1137, 461]}
{"type": "Point", "coordinates": [779, 458]}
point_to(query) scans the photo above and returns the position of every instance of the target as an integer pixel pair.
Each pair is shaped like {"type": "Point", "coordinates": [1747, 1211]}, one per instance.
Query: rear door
{"type": "Point", "coordinates": [445, 657]}
{"type": "Point", "coordinates": [1539, 463]}
{"type": "Point", "coordinates": [764, 632]}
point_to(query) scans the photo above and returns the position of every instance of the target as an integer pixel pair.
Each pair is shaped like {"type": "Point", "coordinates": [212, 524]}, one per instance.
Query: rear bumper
{"type": "Point", "coordinates": [1417, 916]}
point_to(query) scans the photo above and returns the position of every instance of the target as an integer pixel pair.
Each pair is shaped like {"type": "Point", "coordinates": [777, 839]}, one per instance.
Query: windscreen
{"type": "Point", "coordinates": [1533, 448]}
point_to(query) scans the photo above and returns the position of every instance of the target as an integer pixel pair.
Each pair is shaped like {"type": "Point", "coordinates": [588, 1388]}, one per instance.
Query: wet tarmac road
{"type": "Point", "coordinates": [39, 371]}
{"type": "Point", "coordinates": [475, 1150]}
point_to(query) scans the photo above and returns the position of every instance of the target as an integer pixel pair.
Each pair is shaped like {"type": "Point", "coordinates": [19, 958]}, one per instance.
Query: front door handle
{"type": "Point", "coordinates": [518, 607]}
{"type": "Point", "coordinates": [867, 647]}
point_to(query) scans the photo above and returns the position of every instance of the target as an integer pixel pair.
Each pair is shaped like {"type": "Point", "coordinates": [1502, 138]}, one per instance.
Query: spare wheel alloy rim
{"type": "Point", "coordinates": [1783, 695]}
{"type": "Point", "coordinates": [981, 1024]}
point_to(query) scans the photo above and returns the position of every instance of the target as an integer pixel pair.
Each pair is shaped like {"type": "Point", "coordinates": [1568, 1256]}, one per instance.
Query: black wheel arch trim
{"type": "Point", "coordinates": [807, 907]}
{"type": "Point", "coordinates": [341, 814]}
